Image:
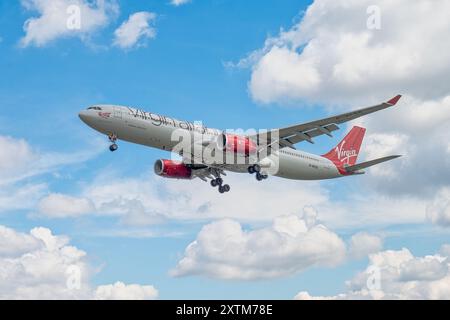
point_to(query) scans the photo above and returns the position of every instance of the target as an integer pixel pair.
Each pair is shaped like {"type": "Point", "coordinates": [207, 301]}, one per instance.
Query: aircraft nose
{"type": "Point", "coordinates": [83, 115]}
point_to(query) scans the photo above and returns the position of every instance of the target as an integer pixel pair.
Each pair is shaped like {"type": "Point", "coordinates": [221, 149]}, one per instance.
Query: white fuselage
{"type": "Point", "coordinates": [157, 131]}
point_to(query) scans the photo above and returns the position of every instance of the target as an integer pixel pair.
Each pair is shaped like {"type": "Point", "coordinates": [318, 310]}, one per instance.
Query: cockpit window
{"type": "Point", "coordinates": [94, 108]}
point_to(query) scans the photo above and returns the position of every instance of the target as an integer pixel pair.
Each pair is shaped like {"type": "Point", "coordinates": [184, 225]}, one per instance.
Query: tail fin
{"type": "Point", "coordinates": [346, 152]}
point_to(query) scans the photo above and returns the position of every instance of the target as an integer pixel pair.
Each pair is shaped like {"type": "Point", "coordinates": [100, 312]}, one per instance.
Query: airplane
{"type": "Point", "coordinates": [270, 152]}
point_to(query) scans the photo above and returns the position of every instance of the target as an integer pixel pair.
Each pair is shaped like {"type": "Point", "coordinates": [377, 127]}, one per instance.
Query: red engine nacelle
{"type": "Point", "coordinates": [172, 169]}
{"type": "Point", "coordinates": [237, 144]}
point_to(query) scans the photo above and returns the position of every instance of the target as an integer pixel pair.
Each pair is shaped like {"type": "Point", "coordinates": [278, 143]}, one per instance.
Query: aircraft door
{"type": "Point", "coordinates": [117, 113]}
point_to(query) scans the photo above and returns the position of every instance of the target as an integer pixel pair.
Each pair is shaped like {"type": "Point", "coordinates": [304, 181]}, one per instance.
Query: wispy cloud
{"type": "Point", "coordinates": [19, 161]}
{"type": "Point", "coordinates": [21, 165]}
{"type": "Point", "coordinates": [179, 2]}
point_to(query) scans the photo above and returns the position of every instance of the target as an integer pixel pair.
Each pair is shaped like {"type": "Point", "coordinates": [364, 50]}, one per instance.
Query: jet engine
{"type": "Point", "coordinates": [172, 169]}
{"type": "Point", "coordinates": [236, 144]}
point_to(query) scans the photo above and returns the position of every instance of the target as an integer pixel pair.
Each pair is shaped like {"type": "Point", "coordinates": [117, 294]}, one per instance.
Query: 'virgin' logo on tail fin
{"type": "Point", "coordinates": [345, 155]}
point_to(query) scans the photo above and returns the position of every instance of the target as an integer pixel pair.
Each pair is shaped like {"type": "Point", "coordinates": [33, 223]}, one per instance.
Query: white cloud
{"type": "Point", "coordinates": [58, 205]}
{"type": "Point", "coordinates": [121, 291]}
{"type": "Point", "coordinates": [399, 275]}
{"type": "Point", "coordinates": [331, 55]}
{"type": "Point", "coordinates": [17, 153]}
{"type": "Point", "coordinates": [381, 144]}
{"type": "Point", "coordinates": [280, 73]}
{"type": "Point", "coordinates": [179, 2]}
{"type": "Point", "coordinates": [19, 161]}
{"type": "Point", "coordinates": [223, 249]}
{"type": "Point", "coordinates": [415, 129]}
{"type": "Point", "coordinates": [438, 212]}
{"type": "Point", "coordinates": [14, 243]}
{"type": "Point", "coordinates": [445, 250]}
{"type": "Point", "coordinates": [38, 269]}
{"type": "Point", "coordinates": [65, 18]}
{"type": "Point", "coordinates": [134, 31]}
{"type": "Point", "coordinates": [149, 200]}
{"type": "Point", "coordinates": [363, 243]}
{"type": "Point", "coordinates": [21, 197]}
{"type": "Point", "coordinates": [16, 156]}
{"type": "Point", "coordinates": [40, 265]}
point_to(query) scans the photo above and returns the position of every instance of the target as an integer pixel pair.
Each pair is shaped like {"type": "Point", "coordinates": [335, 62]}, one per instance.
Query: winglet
{"type": "Point", "coordinates": [394, 100]}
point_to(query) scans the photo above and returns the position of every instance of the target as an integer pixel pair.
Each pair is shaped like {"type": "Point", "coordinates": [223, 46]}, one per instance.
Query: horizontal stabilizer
{"type": "Point", "coordinates": [368, 164]}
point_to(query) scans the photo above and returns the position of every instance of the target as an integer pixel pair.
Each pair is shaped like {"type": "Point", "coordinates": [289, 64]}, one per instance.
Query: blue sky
{"type": "Point", "coordinates": [185, 72]}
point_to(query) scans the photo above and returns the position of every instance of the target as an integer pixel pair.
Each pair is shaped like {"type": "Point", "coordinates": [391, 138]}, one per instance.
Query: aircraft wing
{"type": "Point", "coordinates": [289, 136]}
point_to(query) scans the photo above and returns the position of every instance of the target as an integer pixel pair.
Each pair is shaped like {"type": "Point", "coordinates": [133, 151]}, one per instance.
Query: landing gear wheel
{"type": "Point", "coordinates": [259, 176]}
{"type": "Point", "coordinates": [254, 168]}
{"type": "Point", "coordinates": [113, 147]}
{"type": "Point", "coordinates": [226, 188]}
{"type": "Point", "coordinates": [213, 183]}
{"type": "Point", "coordinates": [219, 181]}
{"type": "Point", "coordinates": [221, 189]}
{"type": "Point", "coordinates": [113, 138]}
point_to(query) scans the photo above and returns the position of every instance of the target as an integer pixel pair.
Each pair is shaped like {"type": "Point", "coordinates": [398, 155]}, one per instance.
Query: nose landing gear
{"type": "Point", "coordinates": [113, 138]}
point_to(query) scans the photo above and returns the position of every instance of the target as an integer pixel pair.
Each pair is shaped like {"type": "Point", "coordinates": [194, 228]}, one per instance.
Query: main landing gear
{"type": "Point", "coordinates": [218, 182]}
{"type": "Point", "coordinates": [256, 168]}
{"type": "Point", "coordinates": [113, 138]}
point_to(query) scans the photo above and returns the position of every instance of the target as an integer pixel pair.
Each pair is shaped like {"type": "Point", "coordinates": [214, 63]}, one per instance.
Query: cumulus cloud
{"type": "Point", "coordinates": [223, 249]}
{"type": "Point", "coordinates": [179, 2]}
{"type": "Point", "coordinates": [331, 55]}
{"type": "Point", "coordinates": [65, 18]}
{"type": "Point", "coordinates": [41, 265]}
{"type": "Point", "coordinates": [14, 243]}
{"type": "Point", "coordinates": [37, 268]}
{"type": "Point", "coordinates": [398, 275]}
{"type": "Point", "coordinates": [363, 243]}
{"type": "Point", "coordinates": [134, 31]}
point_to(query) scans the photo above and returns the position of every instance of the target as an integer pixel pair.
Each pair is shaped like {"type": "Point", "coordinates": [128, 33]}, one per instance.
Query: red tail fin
{"type": "Point", "coordinates": [346, 152]}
